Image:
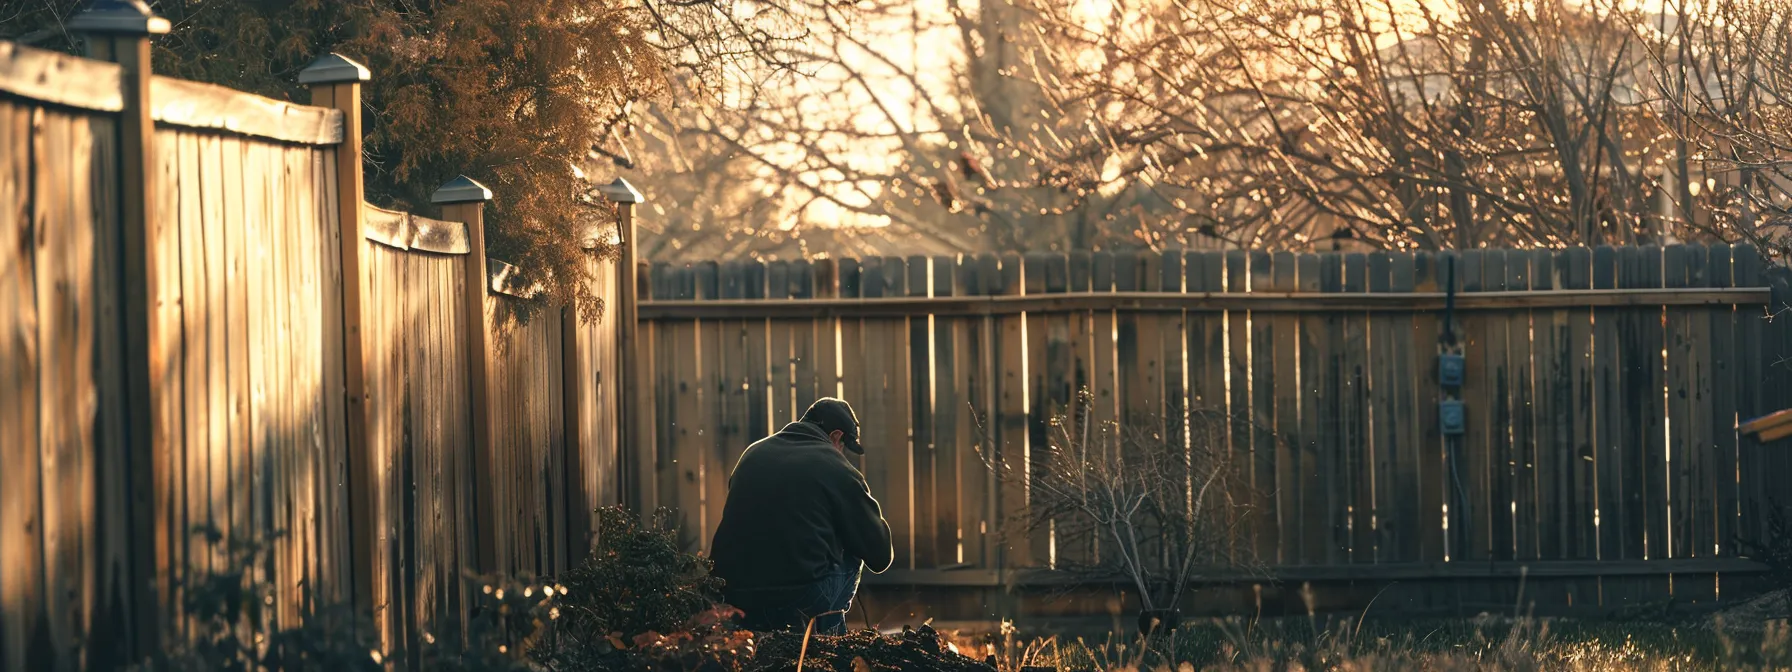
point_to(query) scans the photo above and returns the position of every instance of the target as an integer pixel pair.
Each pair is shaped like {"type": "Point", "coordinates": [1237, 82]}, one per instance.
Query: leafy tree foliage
{"type": "Point", "coordinates": [509, 92]}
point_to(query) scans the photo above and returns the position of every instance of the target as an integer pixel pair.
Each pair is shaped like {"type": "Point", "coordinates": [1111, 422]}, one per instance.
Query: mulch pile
{"type": "Point", "coordinates": [913, 651]}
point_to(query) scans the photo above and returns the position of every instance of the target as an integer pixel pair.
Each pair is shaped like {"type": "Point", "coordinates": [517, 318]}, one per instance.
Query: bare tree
{"type": "Point", "coordinates": [1452, 124]}
{"type": "Point", "coordinates": [1136, 504]}
{"type": "Point", "coordinates": [1724, 71]}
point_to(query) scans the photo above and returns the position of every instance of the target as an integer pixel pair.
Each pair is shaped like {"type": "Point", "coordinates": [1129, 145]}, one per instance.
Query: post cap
{"type": "Point", "coordinates": [333, 68]}
{"type": "Point", "coordinates": [461, 189]}
{"type": "Point", "coordinates": [120, 17]}
{"type": "Point", "coordinates": [621, 191]}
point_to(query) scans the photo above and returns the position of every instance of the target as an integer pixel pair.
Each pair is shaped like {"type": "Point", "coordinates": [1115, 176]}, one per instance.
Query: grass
{"type": "Point", "coordinates": [1506, 644]}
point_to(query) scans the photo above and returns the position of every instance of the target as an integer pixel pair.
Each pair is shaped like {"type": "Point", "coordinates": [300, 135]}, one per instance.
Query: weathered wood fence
{"type": "Point", "coordinates": [1603, 391]}
{"type": "Point", "coordinates": [203, 325]}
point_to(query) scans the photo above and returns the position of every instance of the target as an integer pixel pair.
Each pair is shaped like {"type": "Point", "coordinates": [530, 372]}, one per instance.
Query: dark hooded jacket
{"type": "Point", "coordinates": [796, 508]}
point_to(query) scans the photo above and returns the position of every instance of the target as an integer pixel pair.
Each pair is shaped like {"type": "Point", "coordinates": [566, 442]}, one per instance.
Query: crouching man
{"type": "Point", "coordinates": [798, 525]}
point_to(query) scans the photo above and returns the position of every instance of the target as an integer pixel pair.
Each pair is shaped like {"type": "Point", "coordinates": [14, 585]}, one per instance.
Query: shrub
{"type": "Point", "coordinates": [225, 606]}
{"type": "Point", "coordinates": [637, 580]}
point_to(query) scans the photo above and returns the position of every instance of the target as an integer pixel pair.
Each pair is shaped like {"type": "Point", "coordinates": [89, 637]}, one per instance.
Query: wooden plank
{"type": "Point", "coordinates": [1312, 474]}
{"type": "Point", "coordinates": [1746, 270]}
{"type": "Point", "coordinates": [1340, 486]}
{"type": "Point", "coordinates": [1384, 418]}
{"type": "Point", "coordinates": [63, 231]}
{"type": "Point", "coordinates": [1075, 547]}
{"type": "Point", "coordinates": [976, 366]}
{"type": "Point", "coordinates": [61, 79]}
{"type": "Point", "coordinates": [1011, 419]}
{"type": "Point", "coordinates": [1265, 435]}
{"type": "Point", "coordinates": [1173, 371]}
{"type": "Point", "coordinates": [1477, 398]}
{"type": "Point", "coordinates": [881, 460]}
{"type": "Point", "coordinates": [921, 385]}
{"type": "Point", "coordinates": [681, 486]}
{"type": "Point", "coordinates": [1353, 416]}
{"type": "Point", "coordinates": [1698, 537]}
{"type": "Point", "coordinates": [1644, 405]}
{"type": "Point", "coordinates": [1057, 398]}
{"type": "Point", "coordinates": [1104, 364]}
{"type": "Point", "coordinates": [949, 424]}
{"type": "Point", "coordinates": [1522, 457]}
{"type": "Point", "coordinates": [782, 365]}
{"type": "Point", "coordinates": [1610, 503]}
{"type": "Point", "coordinates": [236, 308]}
{"type": "Point", "coordinates": [168, 489]}
{"type": "Point", "coordinates": [1426, 335]}
{"type": "Point", "coordinates": [853, 362]}
{"type": "Point", "coordinates": [759, 420]}
{"type": "Point", "coordinates": [1403, 443]}
{"type": "Point", "coordinates": [1238, 411]}
{"type": "Point", "coordinates": [732, 379]}
{"type": "Point", "coordinates": [1039, 540]}
{"type": "Point", "coordinates": [1580, 493]}
{"type": "Point", "coordinates": [21, 536]}
{"type": "Point", "coordinates": [1719, 380]}
{"type": "Point", "coordinates": [801, 278]}
{"type": "Point", "coordinates": [1209, 425]}
{"type": "Point", "coordinates": [1550, 428]}
{"type": "Point", "coordinates": [210, 107]}
{"type": "Point", "coordinates": [712, 354]}
{"type": "Point", "coordinates": [1497, 353]}
{"type": "Point", "coordinates": [1285, 386]}
{"type": "Point", "coordinates": [1680, 463]}
{"type": "Point", "coordinates": [898, 447]}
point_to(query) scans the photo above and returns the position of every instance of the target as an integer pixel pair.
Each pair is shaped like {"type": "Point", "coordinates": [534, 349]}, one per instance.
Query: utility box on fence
{"type": "Point", "coordinates": [1452, 417]}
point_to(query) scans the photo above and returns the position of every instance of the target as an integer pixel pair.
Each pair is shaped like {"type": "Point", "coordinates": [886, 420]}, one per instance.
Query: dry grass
{"type": "Point", "coordinates": [1490, 644]}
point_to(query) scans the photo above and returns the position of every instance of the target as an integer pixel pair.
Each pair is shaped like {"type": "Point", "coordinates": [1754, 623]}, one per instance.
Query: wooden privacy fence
{"type": "Point", "coordinates": [1603, 388]}
{"type": "Point", "coordinates": [203, 325]}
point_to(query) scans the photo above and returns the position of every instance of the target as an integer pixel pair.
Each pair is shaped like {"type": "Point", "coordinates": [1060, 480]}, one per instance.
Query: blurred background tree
{"type": "Point", "coordinates": [511, 93]}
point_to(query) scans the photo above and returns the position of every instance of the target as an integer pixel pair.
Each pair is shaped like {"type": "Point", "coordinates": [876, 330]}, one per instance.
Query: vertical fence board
{"type": "Point", "coordinates": [1680, 465]}
{"type": "Point", "coordinates": [1353, 426]}
{"type": "Point", "coordinates": [1284, 456]}
{"type": "Point", "coordinates": [950, 430]}
{"type": "Point", "coordinates": [1720, 379]}
{"type": "Point", "coordinates": [712, 356]}
{"type": "Point", "coordinates": [782, 390]}
{"type": "Point", "coordinates": [1011, 419]}
{"type": "Point", "coordinates": [1608, 382]}
{"type": "Point", "coordinates": [1265, 434]}
{"type": "Point", "coordinates": [1746, 269]}
{"type": "Point", "coordinates": [21, 531]}
{"type": "Point", "coordinates": [1315, 512]}
{"type": "Point", "coordinates": [1080, 413]}
{"type": "Point", "coordinates": [1427, 436]}
{"type": "Point", "coordinates": [1340, 487]}
{"type": "Point", "coordinates": [1549, 432]}
{"type": "Point", "coordinates": [1519, 400]}
{"type": "Point", "coordinates": [1057, 398]}
{"type": "Point", "coordinates": [1477, 398]}
{"type": "Point", "coordinates": [1384, 417]}
{"type": "Point", "coordinates": [921, 431]}
{"type": "Point", "coordinates": [1038, 408]}
{"type": "Point", "coordinates": [1500, 458]}
{"type": "Point", "coordinates": [1577, 350]}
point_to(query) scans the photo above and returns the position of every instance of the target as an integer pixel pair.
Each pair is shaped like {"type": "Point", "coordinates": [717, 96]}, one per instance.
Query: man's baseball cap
{"type": "Point", "coordinates": [832, 415]}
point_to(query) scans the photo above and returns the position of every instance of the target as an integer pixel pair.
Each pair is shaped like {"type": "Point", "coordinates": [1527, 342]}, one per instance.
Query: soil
{"type": "Point", "coordinates": [912, 651]}
{"type": "Point", "coordinates": [1753, 615]}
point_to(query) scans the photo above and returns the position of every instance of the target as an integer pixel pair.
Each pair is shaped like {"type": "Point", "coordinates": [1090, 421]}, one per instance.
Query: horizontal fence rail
{"type": "Point", "coordinates": [1603, 390]}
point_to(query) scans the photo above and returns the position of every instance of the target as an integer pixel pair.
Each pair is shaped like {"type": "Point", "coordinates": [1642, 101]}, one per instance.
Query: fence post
{"type": "Point", "coordinates": [629, 420]}
{"type": "Point", "coordinates": [463, 200]}
{"type": "Point", "coordinates": [335, 83]}
{"type": "Point", "coordinates": [118, 31]}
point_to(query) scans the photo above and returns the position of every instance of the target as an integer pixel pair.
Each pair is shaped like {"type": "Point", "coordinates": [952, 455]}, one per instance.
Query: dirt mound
{"type": "Point", "coordinates": [1753, 615]}
{"type": "Point", "coordinates": [913, 651]}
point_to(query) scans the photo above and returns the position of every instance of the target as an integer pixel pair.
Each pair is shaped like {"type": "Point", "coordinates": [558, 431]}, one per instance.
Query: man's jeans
{"type": "Point", "coordinates": [766, 609]}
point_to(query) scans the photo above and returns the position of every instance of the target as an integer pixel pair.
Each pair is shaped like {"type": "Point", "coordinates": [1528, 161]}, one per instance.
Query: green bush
{"type": "Point", "coordinates": [637, 580]}
{"type": "Point", "coordinates": [225, 606]}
